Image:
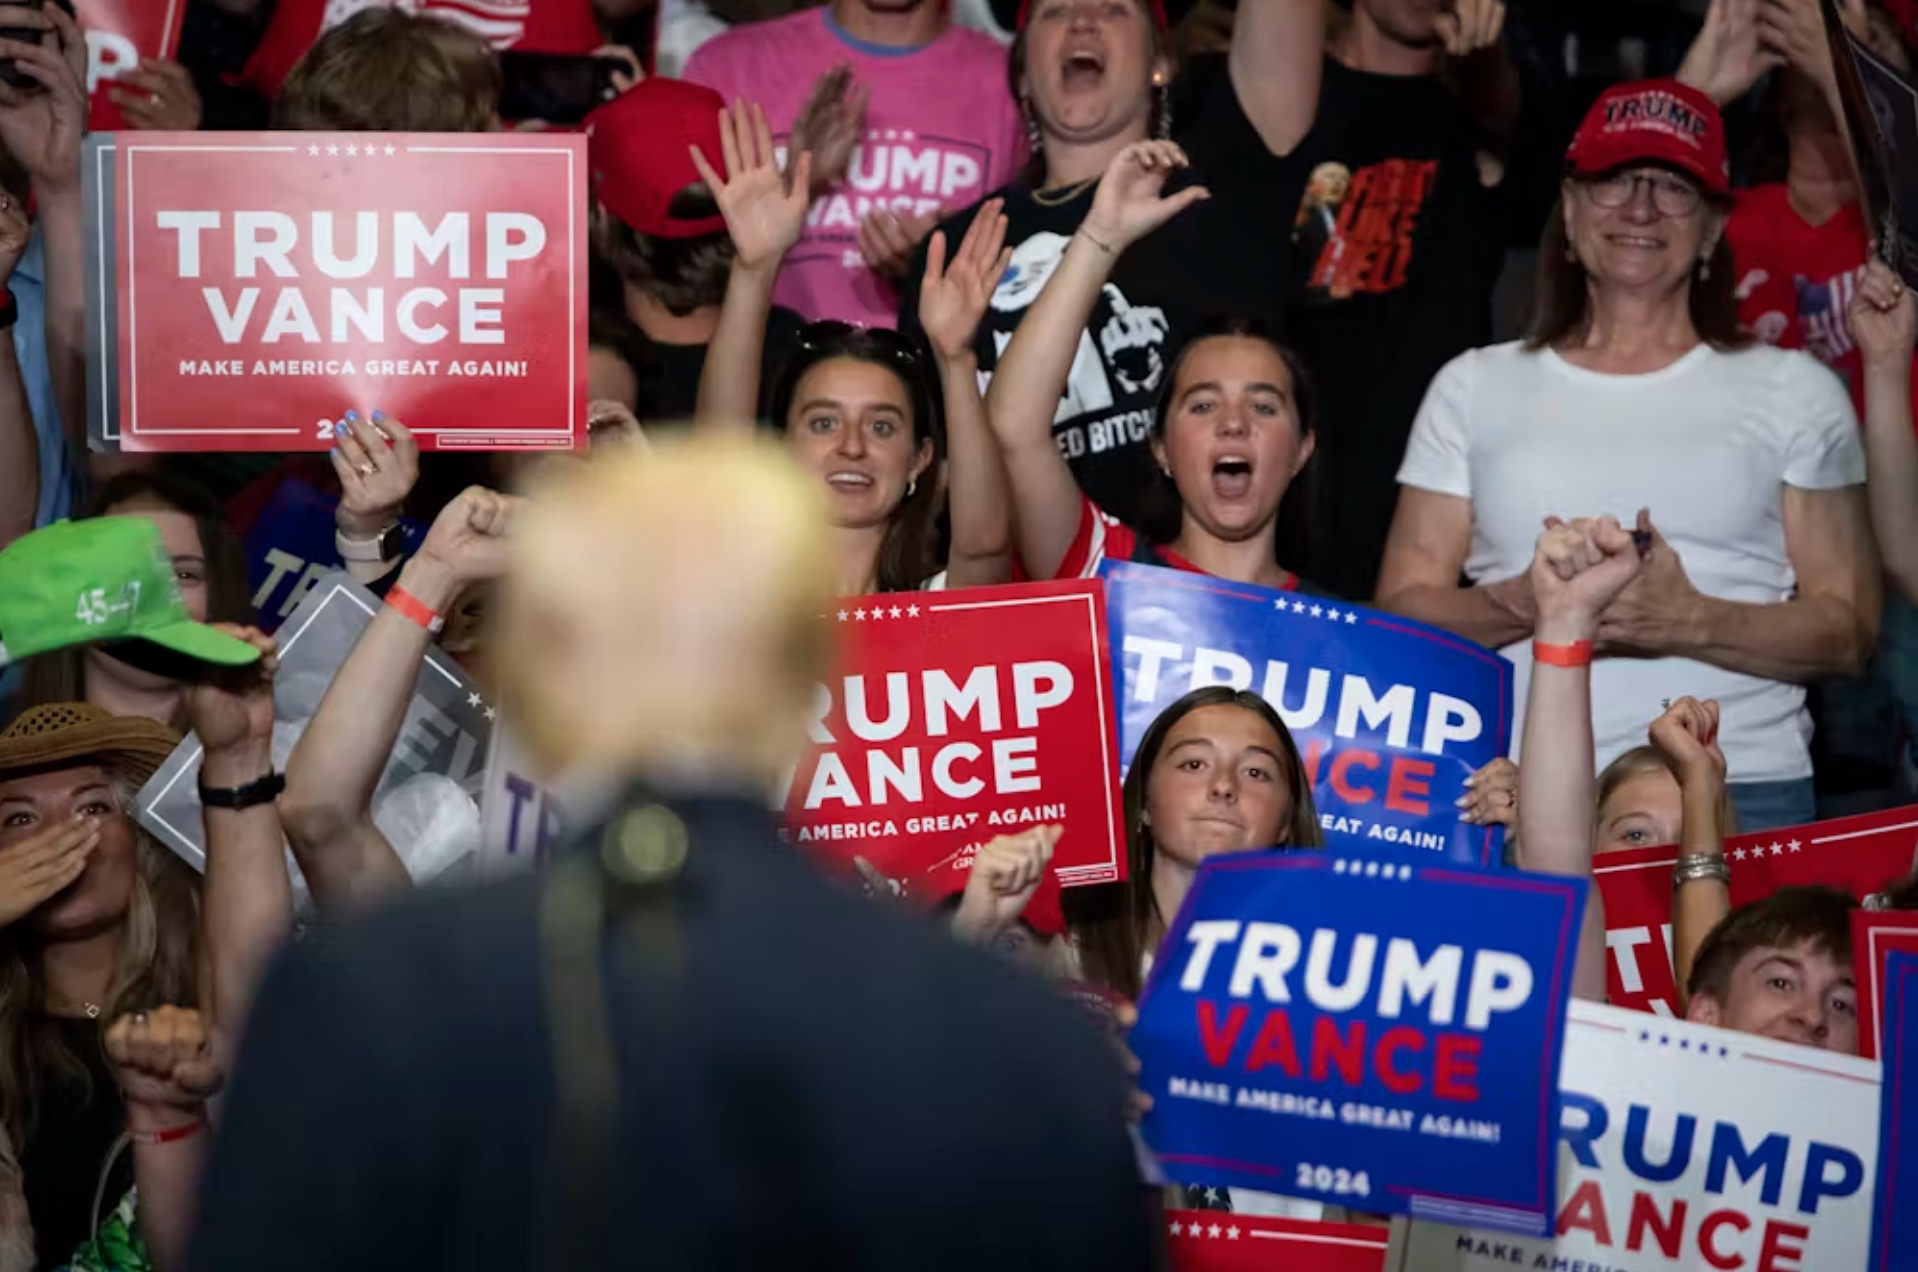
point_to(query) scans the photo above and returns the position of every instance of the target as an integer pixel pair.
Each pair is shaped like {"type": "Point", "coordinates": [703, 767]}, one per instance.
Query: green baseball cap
{"type": "Point", "coordinates": [103, 579]}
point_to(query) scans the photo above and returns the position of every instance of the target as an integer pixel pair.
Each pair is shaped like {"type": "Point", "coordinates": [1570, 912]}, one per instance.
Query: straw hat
{"type": "Point", "coordinates": [68, 734]}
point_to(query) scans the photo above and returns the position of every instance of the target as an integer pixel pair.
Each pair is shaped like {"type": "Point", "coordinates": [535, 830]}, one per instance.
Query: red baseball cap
{"type": "Point", "coordinates": [638, 150]}
{"type": "Point", "coordinates": [1044, 913]}
{"type": "Point", "coordinates": [1154, 7]}
{"type": "Point", "coordinates": [1653, 121]}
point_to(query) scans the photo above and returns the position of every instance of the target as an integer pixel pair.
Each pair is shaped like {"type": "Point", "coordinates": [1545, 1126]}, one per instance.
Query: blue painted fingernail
{"type": "Point", "coordinates": [352, 415]}
{"type": "Point", "coordinates": [340, 429]}
{"type": "Point", "coordinates": [379, 416]}
{"type": "Point", "coordinates": [333, 450]}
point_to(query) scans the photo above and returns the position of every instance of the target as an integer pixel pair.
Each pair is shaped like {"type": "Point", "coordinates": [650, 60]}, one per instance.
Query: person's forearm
{"type": "Point", "coordinates": [1698, 906]}
{"type": "Point", "coordinates": [729, 382]}
{"type": "Point", "coordinates": [1493, 614]}
{"type": "Point", "coordinates": [334, 770]}
{"type": "Point", "coordinates": [1808, 638]}
{"type": "Point", "coordinates": [1276, 61]}
{"type": "Point", "coordinates": [167, 1177]}
{"type": "Point", "coordinates": [19, 450]}
{"type": "Point", "coordinates": [1556, 791]}
{"type": "Point", "coordinates": [975, 482]}
{"type": "Point", "coordinates": [1488, 86]}
{"type": "Point", "coordinates": [1891, 454]}
{"type": "Point", "coordinates": [247, 899]}
{"type": "Point", "coordinates": [64, 241]}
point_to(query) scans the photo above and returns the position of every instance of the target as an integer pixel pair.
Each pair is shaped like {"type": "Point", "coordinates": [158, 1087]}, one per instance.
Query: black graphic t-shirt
{"type": "Point", "coordinates": [1396, 247]}
{"type": "Point", "coordinates": [1219, 258]}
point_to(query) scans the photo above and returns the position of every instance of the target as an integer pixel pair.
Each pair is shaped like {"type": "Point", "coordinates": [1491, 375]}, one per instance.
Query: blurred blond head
{"type": "Point", "coordinates": [660, 614]}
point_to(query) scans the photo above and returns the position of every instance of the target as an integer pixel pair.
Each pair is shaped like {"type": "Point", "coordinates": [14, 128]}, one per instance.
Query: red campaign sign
{"type": "Point", "coordinates": [270, 282]}
{"type": "Point", "coordinates": [1218, 1241]}
{"type": "Point", "coordinates": [119, 33]}
{"type": "Point", "coordinates": [957, 717]}
{"type": "Point", "coordinates": [1859, 854]}
{"type": "Point", "coordinates": [1875, 937]}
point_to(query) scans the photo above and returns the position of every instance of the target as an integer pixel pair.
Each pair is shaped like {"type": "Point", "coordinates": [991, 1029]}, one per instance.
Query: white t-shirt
{"type": "Point", "coordinates": [1708, 444]}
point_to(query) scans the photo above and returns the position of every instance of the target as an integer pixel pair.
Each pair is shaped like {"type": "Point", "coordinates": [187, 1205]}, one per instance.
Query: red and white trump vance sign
{"type": "Point", "coordinates": [119, 33]}
{"type": "Point", "coordinates": [270, 282]}
{"type": "Point", "coordinates": [958, 717]}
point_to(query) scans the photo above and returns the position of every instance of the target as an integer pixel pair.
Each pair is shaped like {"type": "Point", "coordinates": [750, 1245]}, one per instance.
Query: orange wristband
{"type": "Point", "coordinates": [1576, 654]}
{"type": "Point", "coordinates": [416, 609]}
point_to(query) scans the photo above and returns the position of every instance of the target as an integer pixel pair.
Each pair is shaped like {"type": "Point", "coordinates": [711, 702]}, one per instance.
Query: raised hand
{"type": "Point", "coordinates": [1884, 318]}
{"type": "Point", "coordinates": [157, 96]}
{"type": "Point", "coordinates": [1472, 27]}
{"type": "Point", "coordinates": [954, 297]}
{"type": "Point", "coordinates": [1731, 52]}
{"type": "Point", "coordinates": [164, 1061]}
{"type": "Point", "coordinates": [231, 707]}
{"type": "Point", "coordinates": [1687, 734]}
{"type": "Point", "coordinates": [44, 124]}
{"type": "Point", "coordinates": [829, 126]}
{"type": "Point", "coordinates": [765, 213]}
{"type": "Point", "coordinates": [1129, 204]}
{"type": "Point", "coordinates": [377, 462]}
{"type": "Point", "coordinates": [1005, 875]}
{"type": "Point", "coordinates": [1792, 33]}
{"type": "Point", "coordinates": [887, 239]}
{"type": "Point", "coordinates": [468, 538]}
{"type": "Point", "coordinates": [44, 863]}
{"type": "Point", "coordinates": [1577, 571]}
{"type": "Point", "coordinates": [1653, 614]}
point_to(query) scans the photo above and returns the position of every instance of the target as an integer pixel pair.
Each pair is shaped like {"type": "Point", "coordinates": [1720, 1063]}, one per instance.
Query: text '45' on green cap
{"type": "Point", "coordinates": [103, 579]}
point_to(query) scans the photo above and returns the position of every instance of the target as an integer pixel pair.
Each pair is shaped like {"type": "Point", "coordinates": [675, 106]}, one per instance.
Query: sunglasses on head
{"type": "Point", "coordinates": [831, 336]}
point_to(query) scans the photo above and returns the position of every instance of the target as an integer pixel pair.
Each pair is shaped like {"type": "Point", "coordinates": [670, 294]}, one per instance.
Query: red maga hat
{"type": "Point", "coordinates": [1653, 121]}
{"type": "Point", "coordinates": [638, 150]}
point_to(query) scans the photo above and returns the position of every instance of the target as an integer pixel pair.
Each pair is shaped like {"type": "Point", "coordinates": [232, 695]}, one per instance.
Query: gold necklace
{"type": "Point", "coordinates": [1067, 195]}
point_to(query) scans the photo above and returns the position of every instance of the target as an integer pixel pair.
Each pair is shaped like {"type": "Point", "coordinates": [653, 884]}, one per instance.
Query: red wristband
{"type": "Point", "coordinates": [416, 609]}
{"type": "Point", "coordinates": [167, 1136]}
{"type": "Point", "coordinates": [1576, 654]}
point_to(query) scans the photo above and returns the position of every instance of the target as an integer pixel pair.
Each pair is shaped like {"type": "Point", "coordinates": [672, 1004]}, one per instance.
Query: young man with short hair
{"type": "Point", "coordinates": [1781, 968]}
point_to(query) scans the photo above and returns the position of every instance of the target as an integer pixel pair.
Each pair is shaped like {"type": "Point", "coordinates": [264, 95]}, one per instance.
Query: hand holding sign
{"type": "Point", "coordinates": [1884, 320]}
{"type": "Point", "coordinates": [764, 213]}
{"type": "Point", "coordinates": [377, 462]}
{"type": "Point", "coordinates": [158, 97]}
{"type": "Point", "coordinates": [44, 124]}
{"type": "Point", "coordinates": [1005, 874]}
{"type": "Point", "coordinates": [1130, 204]}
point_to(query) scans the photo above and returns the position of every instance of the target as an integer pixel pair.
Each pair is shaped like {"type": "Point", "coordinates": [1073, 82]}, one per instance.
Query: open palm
{"type": "Point", "coordinates": [764, 211]}
{"type": "Point", "coordinates": [953, 297]}
{"type": "Point", "coordinates": [1130, 203]}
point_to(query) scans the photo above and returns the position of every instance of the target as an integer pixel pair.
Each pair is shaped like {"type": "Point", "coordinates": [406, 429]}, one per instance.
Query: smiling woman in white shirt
{"type": "Point", "coordinates": [1637, 397]}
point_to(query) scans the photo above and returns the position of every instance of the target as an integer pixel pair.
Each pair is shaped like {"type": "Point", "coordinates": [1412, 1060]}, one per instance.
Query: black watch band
{"type": "Point", "coordinates": [253, 794]}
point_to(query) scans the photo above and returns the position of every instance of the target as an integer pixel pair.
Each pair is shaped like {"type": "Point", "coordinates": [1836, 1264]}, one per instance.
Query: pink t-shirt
{"type": "Point", "coordinates": [941, 132]}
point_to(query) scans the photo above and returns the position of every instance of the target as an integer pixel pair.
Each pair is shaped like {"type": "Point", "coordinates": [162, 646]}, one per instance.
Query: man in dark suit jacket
{"type": "Point", "coordinates": [680, 1047]}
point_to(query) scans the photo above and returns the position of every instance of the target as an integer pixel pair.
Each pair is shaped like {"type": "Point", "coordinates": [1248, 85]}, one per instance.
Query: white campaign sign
{"type": "Point", "coordinates": [519, 819]}
{"type": "Point", "coordinates": [1688, 1149]}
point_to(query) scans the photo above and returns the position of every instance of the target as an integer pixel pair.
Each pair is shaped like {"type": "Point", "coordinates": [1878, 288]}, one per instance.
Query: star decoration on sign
{"type": "Point", "coordinates": [472, 700]}
{"type": "Point", "coordinates": [844, 615]}
{"type": "Point", "coordinates": [352, 150]}
{"type": "Point", "coordinates": [1777, 850]}
{"type": "Point", "coordinates": [332, 150]}
{"type": "Point", "coordinates": [1738, 854]}
{"type": "Point", "coordinates": [312, 150]}
{"type": "Point", "coordinates": [860, 615]}
{"type": "Point", "coordinates": [1318, 611]}
{"type": "Point", "coordinates": [1214, 1231]}
{"type": "Point", "coordinates": [491, 714]}
{"type": "Point", "coordinates": [390, 150]}
{"type": "Point", "coordinates": [1350, 617]}
{"type": "Point", "coordinates": [912, 611]}
{"type": "Point", "coordinates": [1232, 1233]}
{"type": "Point", "coordinates": [1793, 846]}
{"type": "Point", "coordinates": [896, 611]}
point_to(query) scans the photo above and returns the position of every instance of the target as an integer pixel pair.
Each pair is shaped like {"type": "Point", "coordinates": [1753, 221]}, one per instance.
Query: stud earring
{"type": "Point", "coordinates": [912, 487]}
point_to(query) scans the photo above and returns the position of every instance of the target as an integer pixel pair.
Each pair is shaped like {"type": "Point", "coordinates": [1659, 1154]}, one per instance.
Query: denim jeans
{"type": "Point", "coordinates": [1770, 805]}
{"type": "Point", "coordinates": [1867, 725]}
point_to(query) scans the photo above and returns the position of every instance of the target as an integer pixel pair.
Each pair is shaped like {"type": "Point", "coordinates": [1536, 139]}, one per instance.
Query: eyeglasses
{"type": "Point", "coordinates": [832, 336]}
{"type": "Point", "coordinates": [1672, 196]}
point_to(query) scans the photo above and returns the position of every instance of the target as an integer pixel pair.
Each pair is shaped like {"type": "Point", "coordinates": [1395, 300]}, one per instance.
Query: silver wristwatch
{"type": "Point", "coordinates": [379, 550]}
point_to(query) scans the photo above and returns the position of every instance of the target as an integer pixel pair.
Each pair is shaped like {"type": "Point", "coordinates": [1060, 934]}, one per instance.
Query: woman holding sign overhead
{"type": "Point", "coordinates": [1232, 431]}
{"type": "Point", "coordinates": [856, 403]}
{"type": "Point", "coordinates": [1637, 397]}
